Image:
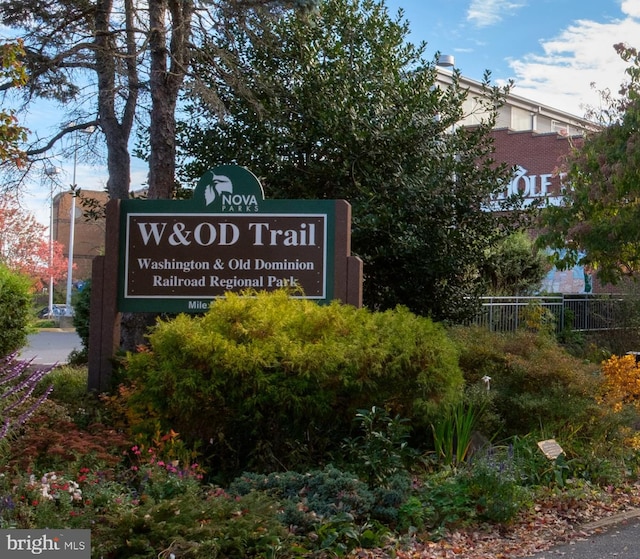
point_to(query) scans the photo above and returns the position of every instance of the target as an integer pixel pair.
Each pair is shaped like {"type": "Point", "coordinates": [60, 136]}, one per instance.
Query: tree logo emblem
{"type": "Point", "coordinates": [229, 189]}
{"type": "Point", "coordinates": [216, 186]}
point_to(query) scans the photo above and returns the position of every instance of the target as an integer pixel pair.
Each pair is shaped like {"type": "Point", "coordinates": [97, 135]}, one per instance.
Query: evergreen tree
{"type": "Point", "coordinates": [337, 104]}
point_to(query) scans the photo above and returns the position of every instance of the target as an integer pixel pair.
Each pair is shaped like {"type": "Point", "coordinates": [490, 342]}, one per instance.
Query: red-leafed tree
{"type": "Point", "coordinates": [24, 246]}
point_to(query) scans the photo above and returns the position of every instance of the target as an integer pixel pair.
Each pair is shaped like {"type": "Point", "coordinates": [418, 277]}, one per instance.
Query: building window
{"type": "Point", "coordinates": [520, 119]}
{"type": "Point", "coordinates": [561, 128]}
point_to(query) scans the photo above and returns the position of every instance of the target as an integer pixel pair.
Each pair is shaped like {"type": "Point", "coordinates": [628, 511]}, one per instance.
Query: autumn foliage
{"type": "Point", "coordinates": [622, 381]}
{"type": "Point", "coordinates": [24, 246]}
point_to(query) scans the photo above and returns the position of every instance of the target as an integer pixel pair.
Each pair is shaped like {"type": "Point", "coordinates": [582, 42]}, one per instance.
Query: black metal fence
{"type": "Point", "coordinates": [575, 311]}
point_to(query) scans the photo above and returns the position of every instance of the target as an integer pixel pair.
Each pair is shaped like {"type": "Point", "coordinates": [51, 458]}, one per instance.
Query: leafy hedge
{"type": "Point", "coordinates": [15, 308]}
{"type": "Point", "coordinates": [535, 386]}
{"type": "Point", "coordinates": [270, 382]}
{"type": "Point", "coordinates": [81, 316]}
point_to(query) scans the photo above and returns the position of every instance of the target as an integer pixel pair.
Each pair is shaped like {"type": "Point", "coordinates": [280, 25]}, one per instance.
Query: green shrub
{"type": "Point", "coordinates": [600, 463]}
{"type": "Point", "coordinates": [535, 469]}
{"type": "Point", "coordinates": [323, 498]}
{"type": "Point", "coordinates": [381, 451]}
{"type": "Point", "coordinates": [81, 315]}
{"type": "Point", "coordinates": [150, 520]}
{"type": "Point", "coordinates": [494, 485]}
{"type": "Point", "coordinates": [70, 390]}
{"type": "Point", "coordinates": [190, 525]}
{"type": "Point", "coordinates": [15, 310]}
{"type": "Point", "coordinates": [536, 385]}
{"type": "Point", "coordinates": [487, 488]}
{"type": "Point", "coordinates": [339, 536]}
{"type": "Point", "coordinates": [312, 496]}
{"type": "Point", "coordinates": [69, 384]}
{"type": "Point", "coordinates": [273, 382]}
{"type": "Point", "coordinates": [445, 501]}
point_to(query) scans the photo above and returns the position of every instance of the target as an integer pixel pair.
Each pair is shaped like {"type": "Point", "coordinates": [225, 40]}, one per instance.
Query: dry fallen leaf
{"type": "Point", "coordinates": [549, 522]}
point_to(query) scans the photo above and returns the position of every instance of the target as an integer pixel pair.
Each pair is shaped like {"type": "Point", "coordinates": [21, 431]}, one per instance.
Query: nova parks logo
{"type": "Point", "coordinates": [49, 544]}
{"type": "Point", "coordinates": [229, 189]}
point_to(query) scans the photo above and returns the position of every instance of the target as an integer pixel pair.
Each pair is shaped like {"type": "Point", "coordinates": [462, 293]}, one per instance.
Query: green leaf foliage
{"type": "Point", "coordinates": [597, 225]}
{"type": "Point", "coordinates": [382, 452]}
{"type": "Point", "coordinates": [11, 134]}
{"type": "Point", "coordinates": [271, 381]}
{"type": "Point", "coordinates": [337, 104]}
{"type": "Point", "coordinates": [191, 523]}
{"type": "Point", "coordinates": [515, 267]}
{"type": "Point", "coordinates": [15, 309]}
{"type": "Point", "coordinates": [326, 497]}
{"type": "Point", "coordinates": [535, 384]}
{"type": "Point", "coordinates": [323, 493]}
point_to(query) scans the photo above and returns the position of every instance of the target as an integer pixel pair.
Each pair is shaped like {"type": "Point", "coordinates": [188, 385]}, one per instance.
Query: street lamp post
{"type": "Point", "coordinates": [51, 172]}
{"type": "Point", "coordinates": [72, 224]}
{"type": "Point", "coordinates": [74, 191]}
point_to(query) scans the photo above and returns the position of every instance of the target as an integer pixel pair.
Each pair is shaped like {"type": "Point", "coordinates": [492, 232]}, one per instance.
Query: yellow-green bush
{"type": "Point", "coordinates": [269, 381]}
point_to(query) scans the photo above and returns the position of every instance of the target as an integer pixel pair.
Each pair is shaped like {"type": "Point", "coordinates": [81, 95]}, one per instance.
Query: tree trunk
{"type": "Point", "coordinates": [168, 68]}
{"type": "Point", "coordinates": [116, 132]}
{"type": "Point", "coordinates": [133, 327]}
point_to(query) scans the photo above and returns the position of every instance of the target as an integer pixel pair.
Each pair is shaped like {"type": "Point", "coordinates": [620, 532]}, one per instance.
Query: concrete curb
{"type": "Point", "coordinates": [611, 520]}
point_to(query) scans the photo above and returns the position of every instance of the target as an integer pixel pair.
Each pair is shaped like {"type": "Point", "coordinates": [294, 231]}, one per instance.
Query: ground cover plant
{"type": "Point", "coordinates": [386, 487]}
{"type": "Point", "coordinates": [17, 383]}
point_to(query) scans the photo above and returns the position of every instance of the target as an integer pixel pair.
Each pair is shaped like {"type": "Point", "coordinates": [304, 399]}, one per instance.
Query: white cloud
{"type": "Point", "coordinates": [631, 8]}
{"type": "Point", "coordinates": [578, 57]}
{"type": "Point", "coordinates": [483, 13]}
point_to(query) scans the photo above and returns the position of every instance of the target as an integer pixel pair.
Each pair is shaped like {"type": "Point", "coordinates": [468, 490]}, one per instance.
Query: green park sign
{"type": "Point", "coordinates": [179, 255]}
{"type": "Point", "coordinates": [175, 256]}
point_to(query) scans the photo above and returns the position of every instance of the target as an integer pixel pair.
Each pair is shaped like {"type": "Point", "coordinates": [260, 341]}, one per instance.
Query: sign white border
{"type": "Point", "coordinates": [323, 216]}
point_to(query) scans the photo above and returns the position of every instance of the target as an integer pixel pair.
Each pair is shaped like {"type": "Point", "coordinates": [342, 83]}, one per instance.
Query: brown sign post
{"type": "Point", "coordinates": [173, 256]}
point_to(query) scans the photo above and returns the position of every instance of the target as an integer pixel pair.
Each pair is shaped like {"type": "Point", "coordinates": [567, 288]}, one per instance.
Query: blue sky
{"type": "Point", "coordinates": [553, 50]}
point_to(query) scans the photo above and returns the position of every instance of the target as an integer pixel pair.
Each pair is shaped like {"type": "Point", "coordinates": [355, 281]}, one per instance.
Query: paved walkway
{"type": "Point", "coordinates": [616, 536]}
{"type": "Point", "coordinates": [50, 346]}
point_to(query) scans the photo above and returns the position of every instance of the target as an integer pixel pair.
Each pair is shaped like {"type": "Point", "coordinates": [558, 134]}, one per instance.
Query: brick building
{"type": "Point", "coordinates": [88, 233]}
{"type": "Point", "coordinates": [538, 159]}
{"type": "Point", "coordinates": [534, 139]}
